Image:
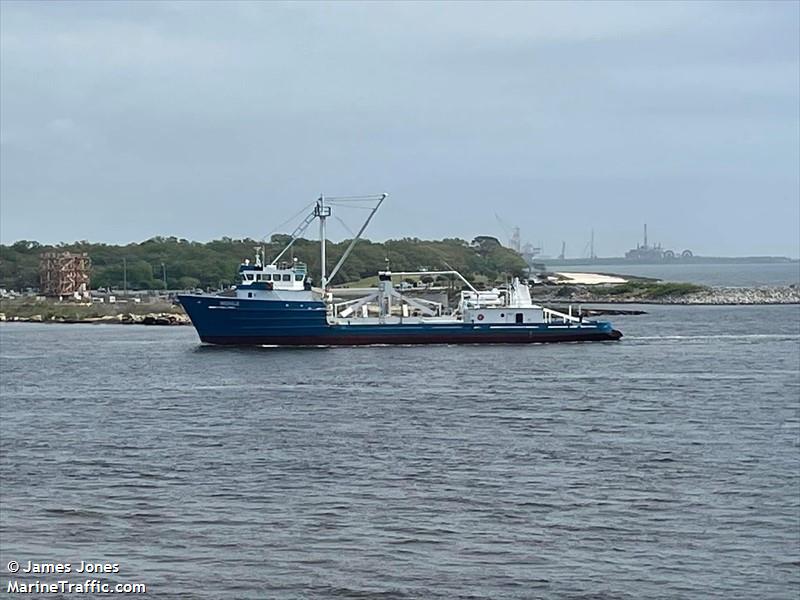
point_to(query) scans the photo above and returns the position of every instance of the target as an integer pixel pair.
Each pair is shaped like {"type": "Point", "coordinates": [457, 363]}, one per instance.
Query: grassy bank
{"type": "Point", "coordinates": [649, 290]}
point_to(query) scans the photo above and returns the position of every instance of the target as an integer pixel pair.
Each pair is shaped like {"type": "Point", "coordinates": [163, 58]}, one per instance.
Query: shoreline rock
{"type": "Point", "coordinates": [161, 319]}
{"type": "Point", "coordinates": [717, 296]}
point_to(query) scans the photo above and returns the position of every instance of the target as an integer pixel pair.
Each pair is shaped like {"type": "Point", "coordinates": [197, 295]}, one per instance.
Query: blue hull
{"type": "Point", "coordinates": [238, 321]}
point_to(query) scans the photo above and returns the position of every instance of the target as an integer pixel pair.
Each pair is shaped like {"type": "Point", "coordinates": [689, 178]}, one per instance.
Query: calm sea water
{"type": "Point", "coordinates": [663, 466]}
{"type": "Point", "coordinates": [725, 275]}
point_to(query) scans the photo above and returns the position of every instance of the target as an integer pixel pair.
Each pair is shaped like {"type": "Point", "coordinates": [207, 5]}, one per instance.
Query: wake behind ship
{"type": "Point", "coordinates": [275, 304]}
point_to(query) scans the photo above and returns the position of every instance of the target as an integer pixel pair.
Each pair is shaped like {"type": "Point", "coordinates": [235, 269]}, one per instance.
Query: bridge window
{"type": "Point", "coordinates": [287, 277]}
{"type": "Point", "coordinates": [298, 278]}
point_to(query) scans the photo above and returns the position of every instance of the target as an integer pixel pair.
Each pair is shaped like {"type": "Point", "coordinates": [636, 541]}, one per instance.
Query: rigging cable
{"type": "Point", "coordinates": [292, 218]}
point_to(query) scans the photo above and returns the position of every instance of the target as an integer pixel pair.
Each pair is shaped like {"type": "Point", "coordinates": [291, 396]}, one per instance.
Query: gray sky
{"type": "Point", "coordinates": [121, 121]}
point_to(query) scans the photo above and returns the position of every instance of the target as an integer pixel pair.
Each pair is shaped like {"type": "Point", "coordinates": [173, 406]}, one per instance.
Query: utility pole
{"type": "Point", "coordinates": [164, 273]}
{"type": "Point", "coordinates": [125, 275]}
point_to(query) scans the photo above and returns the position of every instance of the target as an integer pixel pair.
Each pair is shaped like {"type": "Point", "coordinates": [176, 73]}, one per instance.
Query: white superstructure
{"type": "Point", "coordinates": [284, 280]}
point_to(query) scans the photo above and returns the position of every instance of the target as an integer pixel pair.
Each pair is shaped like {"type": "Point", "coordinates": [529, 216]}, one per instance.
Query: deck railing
{"type": "Point", "coordinates": [551, 315]}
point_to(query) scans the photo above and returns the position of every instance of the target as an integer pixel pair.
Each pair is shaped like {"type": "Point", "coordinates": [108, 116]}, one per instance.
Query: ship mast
{"type": "Point", "coordinates": [322, 212]}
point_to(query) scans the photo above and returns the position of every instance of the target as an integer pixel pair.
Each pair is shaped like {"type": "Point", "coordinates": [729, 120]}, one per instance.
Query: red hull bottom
{"type": "Point", "coordinates": [372, 340]}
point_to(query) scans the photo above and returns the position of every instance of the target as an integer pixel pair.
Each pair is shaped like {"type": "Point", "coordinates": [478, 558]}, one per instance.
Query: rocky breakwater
{"type": "Point", "coordinates": [668, 293]}
{"type": "Point", "coordinates": [155, 319]}
{"type": "Point", "coordinates": [122, 319]}
{"type": "Point", "coordinates": [731, 295]}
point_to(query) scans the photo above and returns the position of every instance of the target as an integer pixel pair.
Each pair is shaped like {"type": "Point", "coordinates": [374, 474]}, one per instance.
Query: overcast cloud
{"type": "Point", "coordinates": [121, 121]}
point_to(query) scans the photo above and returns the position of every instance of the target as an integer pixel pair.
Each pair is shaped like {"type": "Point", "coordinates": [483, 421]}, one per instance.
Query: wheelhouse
{"type": "Point", "coordinates": [284, 276]}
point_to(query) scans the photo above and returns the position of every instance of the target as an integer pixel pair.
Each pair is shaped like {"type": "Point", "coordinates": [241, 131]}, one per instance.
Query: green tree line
{"type": "Point", "coordinates": [214, 264]}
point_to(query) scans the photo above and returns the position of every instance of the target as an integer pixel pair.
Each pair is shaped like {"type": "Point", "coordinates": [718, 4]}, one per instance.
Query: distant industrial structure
{"type": "Point", "coordinates": [64, 273]}
{"type": "Point", "coordinates": [591, 255]}
{"type": "Point", "coordinates": [645, 252]}
{"type": "Point", "coordinates": [527, 250]}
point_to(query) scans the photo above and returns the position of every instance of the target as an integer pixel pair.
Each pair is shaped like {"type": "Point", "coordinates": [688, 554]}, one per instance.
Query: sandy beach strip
{"type": "Point", "coordinates": [589, 278]}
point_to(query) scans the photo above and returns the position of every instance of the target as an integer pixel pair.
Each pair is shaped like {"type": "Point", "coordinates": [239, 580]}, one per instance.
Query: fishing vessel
{"type": "Point", "coordinates": [276, 304]}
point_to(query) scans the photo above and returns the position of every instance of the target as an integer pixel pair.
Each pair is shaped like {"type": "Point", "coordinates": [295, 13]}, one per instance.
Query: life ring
{"type": "Point", "coordinates": [480, 317]}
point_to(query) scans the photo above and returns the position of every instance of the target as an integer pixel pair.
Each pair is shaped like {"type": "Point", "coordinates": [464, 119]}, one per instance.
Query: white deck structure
{"type": "Point", "coordinates": [283, 280]}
